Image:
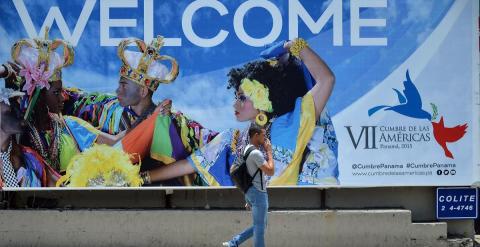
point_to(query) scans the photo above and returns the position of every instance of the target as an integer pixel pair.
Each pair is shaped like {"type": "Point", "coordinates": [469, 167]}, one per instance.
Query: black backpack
{"type": "Point", "coordinates": [240, 175]}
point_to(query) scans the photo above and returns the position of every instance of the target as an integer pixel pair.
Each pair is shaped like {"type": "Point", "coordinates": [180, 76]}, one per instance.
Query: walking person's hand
{"type": "Point", "coordinates": [267, 146]}
{"type": "Point", "coordinates": [248, 207]}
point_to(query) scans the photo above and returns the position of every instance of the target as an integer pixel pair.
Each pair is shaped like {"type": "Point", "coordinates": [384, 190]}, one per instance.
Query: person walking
{"type": "Point", "coordinates": [256, 196]}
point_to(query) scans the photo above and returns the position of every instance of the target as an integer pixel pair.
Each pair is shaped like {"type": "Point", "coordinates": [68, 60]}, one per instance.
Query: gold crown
{"type": "Point", "coordinates": [150, 54]}
{"type": "Point", "coordinates": [45, 47]}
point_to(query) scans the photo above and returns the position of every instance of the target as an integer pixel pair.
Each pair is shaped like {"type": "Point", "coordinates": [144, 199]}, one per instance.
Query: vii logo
{"type": "Point", "coordinates": [368, 134]}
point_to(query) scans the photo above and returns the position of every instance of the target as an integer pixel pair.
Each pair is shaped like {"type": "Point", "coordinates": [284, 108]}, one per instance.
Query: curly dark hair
{"type": "Point", "coordinates": [285, 82]}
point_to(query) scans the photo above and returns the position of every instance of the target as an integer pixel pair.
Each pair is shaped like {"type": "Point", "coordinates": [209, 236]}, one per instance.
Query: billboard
{"type": "Point", "coordinates": [386, 94]}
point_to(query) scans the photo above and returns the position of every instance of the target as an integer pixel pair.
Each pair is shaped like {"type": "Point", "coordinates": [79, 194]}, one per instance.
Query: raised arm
{"type": "Point", "coordinates": [320, 71]}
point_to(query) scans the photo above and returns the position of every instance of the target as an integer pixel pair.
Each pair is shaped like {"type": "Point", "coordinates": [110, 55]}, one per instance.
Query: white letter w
{"type": "Point", "coordinates": [54, 14]}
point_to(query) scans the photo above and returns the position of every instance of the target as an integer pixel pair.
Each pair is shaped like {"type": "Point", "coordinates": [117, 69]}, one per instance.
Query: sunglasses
{"type": "Point", "coordinates": [241, 97]}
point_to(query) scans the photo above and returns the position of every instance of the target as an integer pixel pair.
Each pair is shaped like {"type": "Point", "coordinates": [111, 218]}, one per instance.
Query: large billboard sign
{"type": "Point", "coordinates": [115, 93]}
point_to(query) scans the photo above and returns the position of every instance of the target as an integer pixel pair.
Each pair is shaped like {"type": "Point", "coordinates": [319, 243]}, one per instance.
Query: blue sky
{"type": "Point", "coordinates": [200, 90]}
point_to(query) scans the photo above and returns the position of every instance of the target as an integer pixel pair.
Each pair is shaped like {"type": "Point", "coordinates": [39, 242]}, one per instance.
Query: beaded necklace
{"type": "Point", "coordinates": [49, 151]}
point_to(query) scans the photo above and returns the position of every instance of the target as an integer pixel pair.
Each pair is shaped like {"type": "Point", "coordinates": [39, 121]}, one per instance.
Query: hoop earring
{"type": "Point", "coordinates": [261, 119]}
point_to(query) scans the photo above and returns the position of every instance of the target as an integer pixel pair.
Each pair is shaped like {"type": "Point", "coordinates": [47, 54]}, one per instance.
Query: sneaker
{"type": "Point", "coordinates": [226, 244]}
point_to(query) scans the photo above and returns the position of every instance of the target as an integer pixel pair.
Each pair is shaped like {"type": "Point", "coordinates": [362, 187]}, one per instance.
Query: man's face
{"type": "Point", "coordinates": [128, 92]}
{"type": "Point", "coordinates": [260, 137]}
{"type": "Point", "coordinates": [11, 121]}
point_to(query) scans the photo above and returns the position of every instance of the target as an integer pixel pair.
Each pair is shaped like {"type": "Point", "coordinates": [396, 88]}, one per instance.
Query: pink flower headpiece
{"type": "Point", "coordinates": [40, 62]}
{"type": "Point", "coordinates": [35, 77]}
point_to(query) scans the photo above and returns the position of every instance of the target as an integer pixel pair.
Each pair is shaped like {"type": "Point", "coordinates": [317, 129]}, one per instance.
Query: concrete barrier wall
{"type": "Point", "coordinates": [211, 227]}
{"type": "Point", "coordinates": [419, 200]}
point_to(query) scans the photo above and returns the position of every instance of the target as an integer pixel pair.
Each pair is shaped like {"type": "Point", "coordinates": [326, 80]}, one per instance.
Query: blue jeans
{"type": "Point", "coordinates": [259, 202]}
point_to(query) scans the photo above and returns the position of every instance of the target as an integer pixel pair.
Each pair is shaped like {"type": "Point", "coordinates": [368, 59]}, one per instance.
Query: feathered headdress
{"type": "Point", "coordinates": [101, 166]}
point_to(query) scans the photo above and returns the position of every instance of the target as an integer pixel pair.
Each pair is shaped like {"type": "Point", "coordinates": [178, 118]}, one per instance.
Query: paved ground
{"type": "Point", "coordinates": [477, 241]}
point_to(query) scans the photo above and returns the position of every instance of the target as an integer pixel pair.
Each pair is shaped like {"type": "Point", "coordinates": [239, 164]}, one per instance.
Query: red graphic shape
{"type": "Point", "coordinates": [444, 134]}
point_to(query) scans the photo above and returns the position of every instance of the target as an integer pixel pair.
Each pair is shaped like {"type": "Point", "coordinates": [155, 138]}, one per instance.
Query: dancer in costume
{"type": "Point", "coordinates": [280, 95]}
{"type": "Point", "coordinates": [158, 137]}
{"type": "Point", "coordinates": [20, 166]}
{"type": "Point", "coordinates": [56, 138]}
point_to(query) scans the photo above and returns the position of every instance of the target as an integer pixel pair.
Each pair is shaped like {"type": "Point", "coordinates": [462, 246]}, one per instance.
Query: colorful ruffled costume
{"type": "Point", "coordinates": [165, 138]}
{"type": "Point", "coordinates": [33, 172]}
{"type": "Point", "coordinates": [99, 109]}
{"type": "Point", "coordinates": [36, 171]}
